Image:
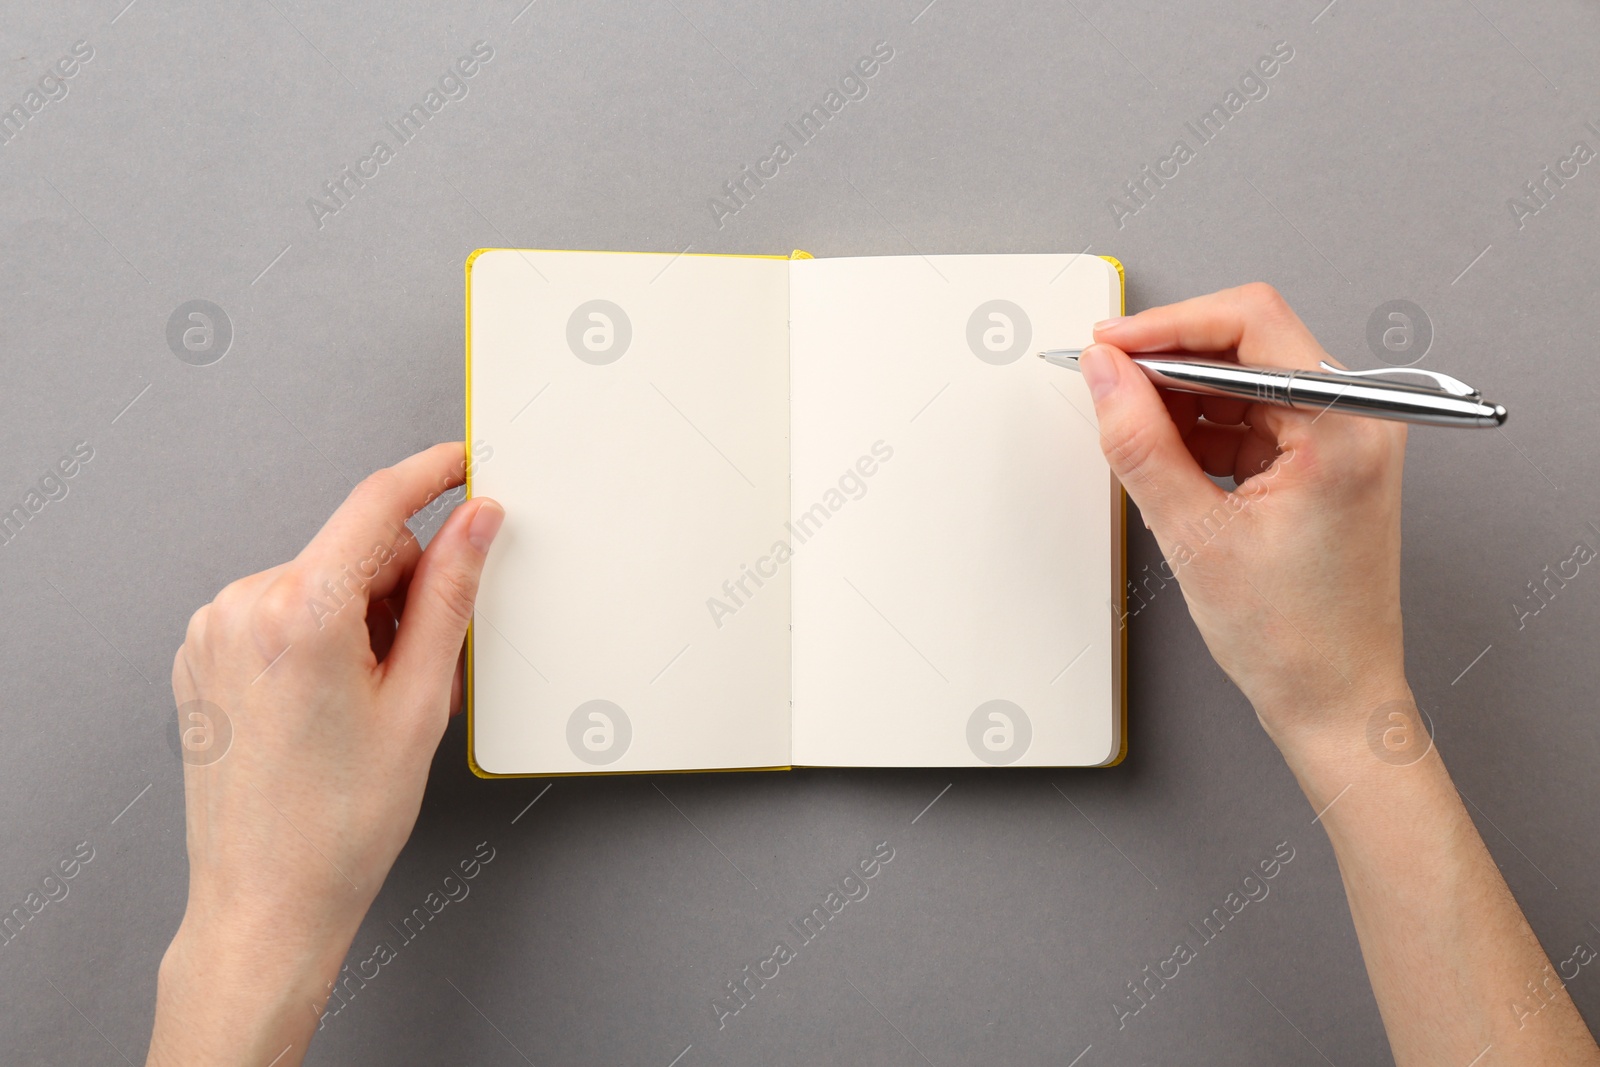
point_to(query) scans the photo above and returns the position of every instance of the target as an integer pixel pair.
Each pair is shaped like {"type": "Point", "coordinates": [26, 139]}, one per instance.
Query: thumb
{"type": "Point", "coordinates": [1142, 444]}
{"type": "Point", "coordinates": [439, 602]}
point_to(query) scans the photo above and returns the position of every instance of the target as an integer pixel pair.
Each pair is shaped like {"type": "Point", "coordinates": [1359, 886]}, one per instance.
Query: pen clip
{"type": "Point", "coordinates": [1453, 386]}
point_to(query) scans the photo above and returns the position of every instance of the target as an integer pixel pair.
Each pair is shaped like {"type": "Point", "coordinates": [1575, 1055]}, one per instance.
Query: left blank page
{"type": "Point", "coordinates": [631, 412]}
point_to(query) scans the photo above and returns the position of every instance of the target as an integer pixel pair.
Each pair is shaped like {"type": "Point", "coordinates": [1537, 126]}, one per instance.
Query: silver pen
{"type": "Point", "coordinates": [1373, 393]}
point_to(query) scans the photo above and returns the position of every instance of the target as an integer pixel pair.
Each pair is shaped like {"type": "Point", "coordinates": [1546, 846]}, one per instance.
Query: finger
{"type": "Point", "coordinates": [229, 609]}
{"type": "Point", "coordinates": [1252, 320]}
{"type": "Point", "coordinates": [1142, 444]}
{"type": "Point", "coordinates": [1290, 427]}
{"type": "Point", "coordinates": [1257, 452]}
{"type": "Point", "coordinates": [1223, 410]}
{"type": "Point", "coordinates": [194, 635]}
{"type": "Point", "coordinates": [379, 574]}
{"type": "Point", "coordinates": [458, 684]}
{"type": "Point", "coordinates": [439, 603]}
{"type": "Point", "coordinates": [242, 592]}
{"type": "Point", "coordinates": [397, 600]}
{"type": "Point", "coordinates": [392, 576]}
{"type": "Point", "coordinates": [381, 621]}
{"type": "Point", "coordinates": [183, 686]}
{"type": "Point", "coordinates": [1184, 409]}
{"type": "Point", "coordinates": [375, 512]}
{"type": "Point", "coordinates": [1216, 448]}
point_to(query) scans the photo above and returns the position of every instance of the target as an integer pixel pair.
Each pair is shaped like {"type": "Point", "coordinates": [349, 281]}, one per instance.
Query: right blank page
{"type": "Point", "coordinates": [957, 534]}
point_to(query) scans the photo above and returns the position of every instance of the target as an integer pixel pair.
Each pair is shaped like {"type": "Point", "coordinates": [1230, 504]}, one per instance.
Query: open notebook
{"type": "Point", "coordinates": [771, 511]}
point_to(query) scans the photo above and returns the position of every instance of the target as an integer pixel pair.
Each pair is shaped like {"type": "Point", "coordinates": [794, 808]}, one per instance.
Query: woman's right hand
{"type": "Point", "coordinates": [1293, 578]}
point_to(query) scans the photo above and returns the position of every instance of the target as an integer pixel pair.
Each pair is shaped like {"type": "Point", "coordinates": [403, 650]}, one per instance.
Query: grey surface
{"type": "Point", "coordinates": [1016, 907]}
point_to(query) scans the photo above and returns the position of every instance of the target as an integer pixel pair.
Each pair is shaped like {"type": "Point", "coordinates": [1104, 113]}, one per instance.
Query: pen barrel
{"type": "Point", "coordinates": [1218, 379]}
{"type": "Point", "coordinates": [1397, 401]}
{"type": "Point", "coordinates": [1313, 391]}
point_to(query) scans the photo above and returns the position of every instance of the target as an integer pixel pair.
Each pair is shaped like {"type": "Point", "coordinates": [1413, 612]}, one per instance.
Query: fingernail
{"type": "Point", "coordinates": [1099, 373]}
{"type": "Point", "coordinates": [1110, 324]}
{"type": "Point", "coordinates": [485, 524]}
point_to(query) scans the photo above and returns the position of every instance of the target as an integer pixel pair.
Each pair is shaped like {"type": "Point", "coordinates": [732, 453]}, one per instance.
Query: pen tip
{"type": "Point", "coordinates": [1499, 414]}
{"type": "Point", "coordinates": [1061, 357]}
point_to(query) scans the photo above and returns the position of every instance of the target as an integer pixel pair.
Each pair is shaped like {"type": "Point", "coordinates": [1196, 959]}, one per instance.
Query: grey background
{"type": "Point", "coordinates": [1016, 907]}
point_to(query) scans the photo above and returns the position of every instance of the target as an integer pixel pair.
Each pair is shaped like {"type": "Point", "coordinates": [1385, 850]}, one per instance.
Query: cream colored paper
{"type": "Point", "coordinates": [633, 490]}
{"type": "Point", "coordinates": [974, 567]}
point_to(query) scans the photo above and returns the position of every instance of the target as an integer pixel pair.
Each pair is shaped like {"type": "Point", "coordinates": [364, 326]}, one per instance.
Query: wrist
{"type": "Point", "coordinates": [1369, 727]}
{"type": "Point", "coordinates": [235, 989]}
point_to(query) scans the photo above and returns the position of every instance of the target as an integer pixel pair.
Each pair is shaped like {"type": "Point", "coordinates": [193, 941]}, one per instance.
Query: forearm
{"type": "Point", "coordinates": [230, 995]}
{"type": "Point", "coordinates": [1454, 965]}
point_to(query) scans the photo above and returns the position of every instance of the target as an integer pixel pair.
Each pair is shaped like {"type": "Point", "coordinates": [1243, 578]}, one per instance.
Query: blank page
{"type": "Point", "coordinates": [636, 406]}
{"type": "Point", "coordinates": [952, 595]}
